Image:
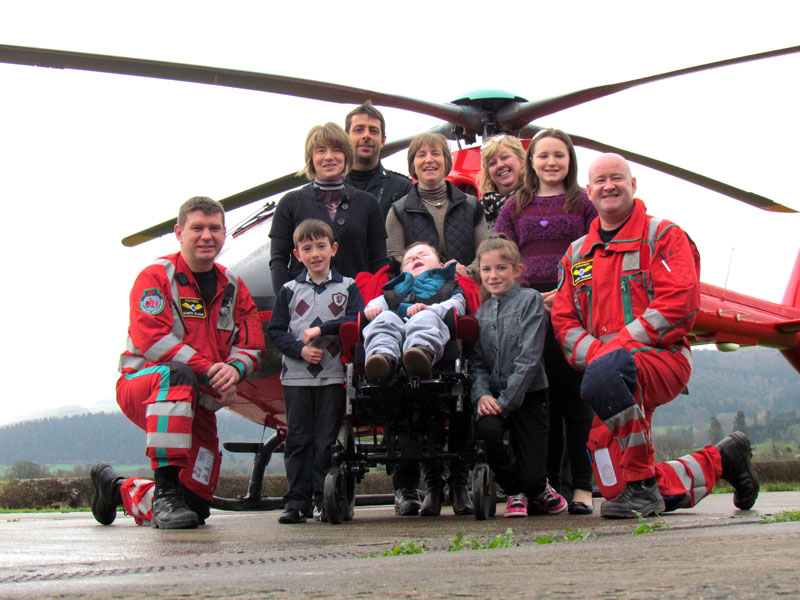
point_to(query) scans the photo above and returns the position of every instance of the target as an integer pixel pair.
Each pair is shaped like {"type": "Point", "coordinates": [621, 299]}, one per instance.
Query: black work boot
{"type": "Point", "coordinates": [459, 496]}
{"type": "Point", "coordinates": [637, 497]}
{"type": "Point", "coordinates": [169, 506]}
{"type": "Point", "coordinates": [737, 469]}
{"type": "Point", "coordinates": [106, 496]}
{"type": "Point", "coordinates": [434, 497]}
{"type": "Point", "coordinates": [406, 502]}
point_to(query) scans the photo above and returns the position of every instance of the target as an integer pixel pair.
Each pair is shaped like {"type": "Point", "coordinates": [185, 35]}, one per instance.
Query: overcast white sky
{"type": "Point", "coordinates": [89, 158]}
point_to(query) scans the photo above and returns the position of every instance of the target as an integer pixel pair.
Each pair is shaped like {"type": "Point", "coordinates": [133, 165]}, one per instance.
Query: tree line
{"type": "Point", "coordinates": [753, 389]}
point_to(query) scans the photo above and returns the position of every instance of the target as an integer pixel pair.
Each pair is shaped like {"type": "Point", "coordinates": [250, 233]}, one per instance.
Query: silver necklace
{"type": "Point", "coordinates": [544, 221]}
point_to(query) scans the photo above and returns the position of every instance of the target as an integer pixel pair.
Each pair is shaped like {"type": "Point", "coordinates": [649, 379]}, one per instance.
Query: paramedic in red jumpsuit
{"type": "Point", "coordinates": [627, 298]}
{"type": "Point", "coordinates": [194, 334]}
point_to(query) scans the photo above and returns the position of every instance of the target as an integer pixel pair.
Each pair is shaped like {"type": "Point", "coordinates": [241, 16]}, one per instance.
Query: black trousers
{"type": "Point", "coordinates": [527, 427]}
{"type": "Point", "coordinates": [568, 464]}
{"type": "Point", "coordinates": [313, 415]}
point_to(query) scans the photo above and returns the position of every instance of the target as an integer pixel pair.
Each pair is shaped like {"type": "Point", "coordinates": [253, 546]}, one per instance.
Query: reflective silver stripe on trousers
{"type": "Point", "coordinates": [170, 409]}
{"type": "Point", "coordinates": [618, 421]}
{"type": "Point", "coordinates": [682, 473]}
{"type": "Point", "coordinates": [691, 475]}
{"type": "Point", "coordinates": [632, 440]}
{"type": "Point", "coordinates": [146, 504]}
{"type": "Point", "coordinates": [696, 469]}
{"type": "Point", "coordinates": [169, 440]}
{"type": "Point", "coordinates": [141, 509]}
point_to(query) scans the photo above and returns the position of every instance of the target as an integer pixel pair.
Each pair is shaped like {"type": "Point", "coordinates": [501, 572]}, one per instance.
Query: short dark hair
{"type": "Point", "coordinates": [207, 205]}
{"type": "Point", "coordinates": [365, 109]}
{"type": "Point", "coordinates": [311, 229]}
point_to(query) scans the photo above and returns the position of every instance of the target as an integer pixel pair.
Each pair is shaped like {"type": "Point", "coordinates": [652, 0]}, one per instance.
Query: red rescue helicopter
{"type": "Point", "coordinates": [726, 318]}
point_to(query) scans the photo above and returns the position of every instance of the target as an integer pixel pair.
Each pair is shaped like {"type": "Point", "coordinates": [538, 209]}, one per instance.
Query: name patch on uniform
{"type": "Point", "coordinates": [152, 301]}
{"type": "Point", "coordinates": [203, 465]}
{"type": "Point", "coordinates": [339, 299]}
{"type": "Point", "coordinates": [193, 307]}
{"type": "Point", "coordinates": [581, 272]}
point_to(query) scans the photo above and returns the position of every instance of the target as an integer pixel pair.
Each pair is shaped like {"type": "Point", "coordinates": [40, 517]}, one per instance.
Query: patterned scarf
{"type": "Point", "coordinates": [331, 194]}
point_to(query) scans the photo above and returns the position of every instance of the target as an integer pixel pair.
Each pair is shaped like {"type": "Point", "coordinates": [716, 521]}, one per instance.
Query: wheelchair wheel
{"type": "Point", "coordinates": [346, 441]}
{"type": "Point", "coordinates": [483, 496]}
{"type": "Point", "coordinates": [335, 496]}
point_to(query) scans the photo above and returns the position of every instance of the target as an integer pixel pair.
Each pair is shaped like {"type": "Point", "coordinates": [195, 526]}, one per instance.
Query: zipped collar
{"type": "Point", "coordinates": [627, 239]}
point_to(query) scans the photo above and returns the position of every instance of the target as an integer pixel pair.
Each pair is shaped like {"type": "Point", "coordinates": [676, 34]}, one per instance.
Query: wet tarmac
{"type": "Point", "coordinates": [711, 551]}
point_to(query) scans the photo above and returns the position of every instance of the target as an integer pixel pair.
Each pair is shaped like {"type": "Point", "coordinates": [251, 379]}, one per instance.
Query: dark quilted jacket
{"type": "Point", "coordinates": [464, 214]}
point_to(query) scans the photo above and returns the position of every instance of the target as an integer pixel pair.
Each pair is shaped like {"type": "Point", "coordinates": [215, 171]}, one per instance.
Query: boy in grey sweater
{"type": "Point", "coordinates": [304, 326]}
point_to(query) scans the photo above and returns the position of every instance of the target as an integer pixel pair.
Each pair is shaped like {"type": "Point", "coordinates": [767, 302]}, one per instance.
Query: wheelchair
{"type": "Point", "coordinates": [405, 419]}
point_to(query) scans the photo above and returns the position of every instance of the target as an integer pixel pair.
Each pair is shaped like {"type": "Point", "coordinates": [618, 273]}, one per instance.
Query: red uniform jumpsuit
{"type": "Point", "coordinates": [173, 340]}
{"type": "Point", "coordinates": [621, 314]}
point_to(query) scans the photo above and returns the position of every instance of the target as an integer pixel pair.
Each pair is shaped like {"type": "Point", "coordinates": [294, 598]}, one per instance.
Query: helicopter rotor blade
{"type": "Point", "coordinates": [711, 184]}
{"type": "Point", "coordinates": [448, 130]}
{"type": "Point", "coordinates": [518, 114]}
{"type": "Point", "coordinates": [254, 194]}
{"type": "Point", "coordinates": [263, 82]}
{"type": "Point", "coordinates": [276, 186]}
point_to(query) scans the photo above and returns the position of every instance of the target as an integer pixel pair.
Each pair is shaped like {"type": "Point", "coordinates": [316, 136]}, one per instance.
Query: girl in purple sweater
{"type": "Point", "coordinates": [548, 213]}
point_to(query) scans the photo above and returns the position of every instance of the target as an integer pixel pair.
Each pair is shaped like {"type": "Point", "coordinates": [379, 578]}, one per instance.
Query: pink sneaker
{"type": "Point", "coordinates": [517, 506]}
{"type": "Point", "coordinates": [549, 502]}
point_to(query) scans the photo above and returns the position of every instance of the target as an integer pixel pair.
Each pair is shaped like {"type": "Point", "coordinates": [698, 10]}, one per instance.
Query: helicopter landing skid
{"type": "Point", "coordinates": [253, 500]}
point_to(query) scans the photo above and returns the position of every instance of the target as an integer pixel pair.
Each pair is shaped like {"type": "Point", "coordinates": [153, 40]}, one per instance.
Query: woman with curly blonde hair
{"type": "Point", "coordinates": [502, 166]}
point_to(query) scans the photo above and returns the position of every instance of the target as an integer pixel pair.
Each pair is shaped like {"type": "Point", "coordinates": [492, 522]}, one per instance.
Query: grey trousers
{"type": "Point", "coordinates": [388, 334]}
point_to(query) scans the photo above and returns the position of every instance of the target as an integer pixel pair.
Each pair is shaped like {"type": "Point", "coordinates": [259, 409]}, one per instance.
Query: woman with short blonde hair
{"type": "Point", "coordinates": [353, 215]}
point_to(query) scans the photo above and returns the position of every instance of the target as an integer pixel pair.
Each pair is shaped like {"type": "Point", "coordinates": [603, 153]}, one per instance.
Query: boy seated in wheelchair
{"type": "Point", "coordinates": [407, 319]}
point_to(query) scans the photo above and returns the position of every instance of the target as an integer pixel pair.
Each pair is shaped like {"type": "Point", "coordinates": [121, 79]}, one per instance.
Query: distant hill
{"type": "Point", "coordinates": [89, 438]}
{"type": "Point", "coordinates": [753, 380]}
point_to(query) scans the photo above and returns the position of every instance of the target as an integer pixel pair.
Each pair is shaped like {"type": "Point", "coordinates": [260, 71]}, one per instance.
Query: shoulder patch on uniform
{"type": "Point", "coordinates": [581, 271]}
{"type": "Point", "coordinates": [193, 307]}
{"type": "Point", "coordinates": [152, 301]}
